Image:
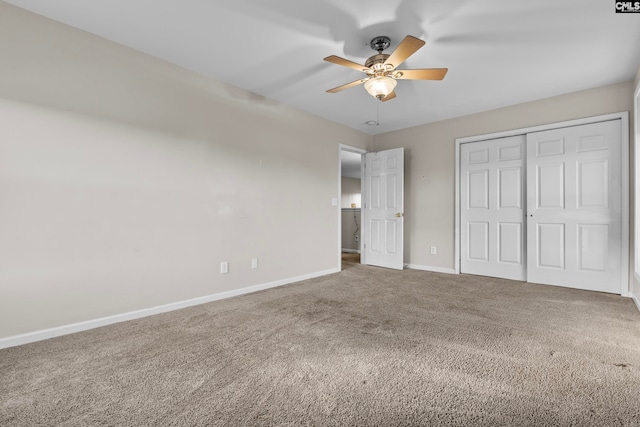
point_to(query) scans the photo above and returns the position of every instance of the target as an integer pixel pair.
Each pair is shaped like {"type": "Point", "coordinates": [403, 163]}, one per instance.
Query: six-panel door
{"type": "Point", "coordinates": [574, 207]}
{"type": "Point", "coordinates": [492, 203]}
{"type": "Point", "coordinates": [384, 208]}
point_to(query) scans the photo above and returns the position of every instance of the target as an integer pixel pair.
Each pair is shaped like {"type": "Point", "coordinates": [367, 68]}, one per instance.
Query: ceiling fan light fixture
{"type": "Point", "coordinates": [381, 86]}
{"type": "Point", "coordinates": [381, 68]}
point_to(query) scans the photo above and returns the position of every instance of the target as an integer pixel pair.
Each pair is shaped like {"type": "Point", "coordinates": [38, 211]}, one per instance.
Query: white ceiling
{"type": "Point", "coordinates": [499, 52]}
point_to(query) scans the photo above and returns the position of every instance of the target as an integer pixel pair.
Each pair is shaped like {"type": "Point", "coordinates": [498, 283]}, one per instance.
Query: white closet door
{"type": "Point", "coordinates": [384, 208]}
{"type": "Point", "coordinates": [492, 203]}
{"type": "Point", "coordinates": [574, 202]}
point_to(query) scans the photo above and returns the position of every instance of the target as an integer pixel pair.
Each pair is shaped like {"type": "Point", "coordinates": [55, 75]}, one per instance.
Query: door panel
{"type": "Point", "coordinates": [574, 207]}
{"type": "Point", "coordinates": [478, 241]}
{"type": "Point", "coordinates": [592, 184]}
{"type": "Point", "coordinates": [374, 236]}
{"type": "Point", "coordinates": [593, 247]}
{"type": "Point", "coordinates": [384, 208]}
{"type": "Point", "coordinates": [374, 191]}
{"type": "Point", "coordinates": [510, 243]}
{"type": "Point", "coordinates": [492, 215]}
{"type": "Point", "coordinates": [478, 189]}
{"type": "Point", "coordinates": [550, 186]}
{"type": "Point", "coordinates": [510, 188]}
{"type": "Point", "coordinates": [550, 241]}
{"type": "Point", "coordinates": [550, 147]}
{"type": "Point", "coordinates": [392, 183]}
{"type": "Point", "coordinates": [392, 233]}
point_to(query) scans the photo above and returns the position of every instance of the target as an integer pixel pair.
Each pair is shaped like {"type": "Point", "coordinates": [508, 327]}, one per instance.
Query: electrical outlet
{"type": "Point", "coordinates": [254, 262]}
{"type": "Point", "coordinates": [434, 250]}
{"type": "Point", "coordinates": [224, 267]}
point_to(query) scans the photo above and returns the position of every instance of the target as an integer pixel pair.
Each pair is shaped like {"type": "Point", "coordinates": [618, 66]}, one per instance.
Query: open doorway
{"type": "Point", "coordinates": [350, 241]}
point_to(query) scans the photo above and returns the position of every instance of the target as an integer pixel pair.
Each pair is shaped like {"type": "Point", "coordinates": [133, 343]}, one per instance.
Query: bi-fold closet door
{"type": "Point", "coordinates": [545, 207]}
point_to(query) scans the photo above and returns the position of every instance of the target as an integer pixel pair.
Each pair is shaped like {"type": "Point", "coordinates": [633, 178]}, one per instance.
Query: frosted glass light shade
{"type": "Point", "coordinates": [380, 87]}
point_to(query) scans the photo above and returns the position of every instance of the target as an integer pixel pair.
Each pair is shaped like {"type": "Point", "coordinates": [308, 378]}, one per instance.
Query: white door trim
{"type": "Point", "coordinates": [341, 148]}
{"type": "Point", "coordinates": [623, 116]}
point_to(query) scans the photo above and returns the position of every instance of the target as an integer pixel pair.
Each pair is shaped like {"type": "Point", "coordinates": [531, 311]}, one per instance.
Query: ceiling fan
{"type": "Point", "coordinates": [381, 68]}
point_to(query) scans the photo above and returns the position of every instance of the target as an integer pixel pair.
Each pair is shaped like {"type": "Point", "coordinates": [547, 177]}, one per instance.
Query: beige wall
{"type": "Point", "coordinates": [125, 181]}
{"type": "Point", "coordinates": [429, 161]}
{"type": "Point", "coordinates": [351, 192]}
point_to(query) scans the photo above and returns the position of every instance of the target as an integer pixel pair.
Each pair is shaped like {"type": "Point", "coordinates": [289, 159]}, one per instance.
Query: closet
{"type": "Point", "coordinates": [545, 206]}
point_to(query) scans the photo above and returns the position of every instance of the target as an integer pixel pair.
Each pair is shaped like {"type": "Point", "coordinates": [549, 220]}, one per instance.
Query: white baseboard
{"type": "Point", "coordinates": [351, 251]}
{"type": "Point", "coordinates": [432, 269]}
{"type": "Point", "coordinates": [44, 334]}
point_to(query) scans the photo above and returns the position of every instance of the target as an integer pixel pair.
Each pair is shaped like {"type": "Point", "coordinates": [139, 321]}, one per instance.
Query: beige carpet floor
{"type": "Point", "coordinates": [366, 346]}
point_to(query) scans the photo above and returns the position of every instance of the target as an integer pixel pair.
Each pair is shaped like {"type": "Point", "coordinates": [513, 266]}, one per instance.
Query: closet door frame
{"type": "Point", "coordinates": [624, 123]}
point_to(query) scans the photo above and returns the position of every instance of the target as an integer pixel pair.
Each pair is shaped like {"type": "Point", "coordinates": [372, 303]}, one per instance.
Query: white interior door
{"type": "Point", "coordinates": [574, 207]}
{"type": "Point", "coordinates": [491, 209]}
{"type": "Point", "coordinates": [384, 208]}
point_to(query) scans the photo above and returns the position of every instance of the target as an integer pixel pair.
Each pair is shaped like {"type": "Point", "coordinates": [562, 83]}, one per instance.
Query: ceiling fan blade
{"type": "Point", "coordinates": [346, 63]}
{"type": "Point", "coordinates": [422, 74]}
{"type": "Point", "coordinates": [388, 97]}
{"type": "Point", "coordinates": [407, 47]}
{"type": "Point", "coordinates": [347, 86]}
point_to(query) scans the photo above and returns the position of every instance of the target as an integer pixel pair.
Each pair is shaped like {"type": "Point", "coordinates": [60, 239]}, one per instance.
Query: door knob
{"type": "Point", "coordinates": [399, 215]}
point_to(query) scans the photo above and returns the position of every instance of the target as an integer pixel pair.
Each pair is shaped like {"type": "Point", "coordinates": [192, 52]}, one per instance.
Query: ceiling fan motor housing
{"type": "Point", "coordinates": [375, 60]}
